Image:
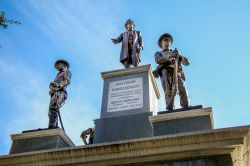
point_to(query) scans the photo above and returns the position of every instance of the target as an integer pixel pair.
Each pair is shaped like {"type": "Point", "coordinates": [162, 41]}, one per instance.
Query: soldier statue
{"type": "Point", "coordinates": [132, 45]}
{"type": "Point", "coordinates": [91, 133]}
{"type": "Point", "coordinates": [170, 71]}
{"type": "Point", "coordinates": [58, 92]}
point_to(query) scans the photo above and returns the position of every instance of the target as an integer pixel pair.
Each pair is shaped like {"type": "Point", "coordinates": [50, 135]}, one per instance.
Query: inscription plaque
{"type": "Point", "coordinates": [125, 95]}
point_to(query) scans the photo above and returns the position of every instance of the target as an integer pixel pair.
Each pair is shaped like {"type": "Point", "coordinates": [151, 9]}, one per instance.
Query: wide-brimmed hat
{"type": "Point", "coordinates": [165, 35]}
{"type": "Point", "coordinates": [129, 21]}
{"type": "Point", "coordinates": [62, 61]}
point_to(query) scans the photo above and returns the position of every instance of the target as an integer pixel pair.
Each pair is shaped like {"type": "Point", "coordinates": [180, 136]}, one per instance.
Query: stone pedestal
{"type": "Point", "coordinates": [39, 140]}
{"type": "Point", "coordinates": [123, 128]}
{"type": "Point", "coordinates": [213, 147]}
{"type": "Point", "coordinates": [129, 97]}
{"type": "Point", "coordinates": [180, 121]}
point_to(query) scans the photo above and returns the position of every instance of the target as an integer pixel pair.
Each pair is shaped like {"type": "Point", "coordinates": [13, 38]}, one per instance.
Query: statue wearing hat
{"type": "Point", "coordinates": [170, 71]}
{"type": "Point", "coordinates": [58, 91]}
{"type": "Point", "coordinates": [132, 45]}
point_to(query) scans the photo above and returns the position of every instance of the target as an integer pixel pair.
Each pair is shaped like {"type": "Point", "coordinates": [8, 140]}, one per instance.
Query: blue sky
{"type": "Point", "coordinates": [214, 35]}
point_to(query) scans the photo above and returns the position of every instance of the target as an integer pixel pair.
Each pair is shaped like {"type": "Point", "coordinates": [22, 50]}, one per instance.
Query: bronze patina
{"type": "Point", "coordinates": [170, 71]}
{"type": "Point", "coordinates": [132, 45]}
{"type": "Point", "coordinates": [58, 92]}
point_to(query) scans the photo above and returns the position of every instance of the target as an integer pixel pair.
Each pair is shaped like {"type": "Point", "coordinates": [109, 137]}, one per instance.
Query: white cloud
{"type": "Point", "coordinates": [83, 27]}
{"type": "Point", "coordinates": [80, 26]}
{"type": "Point", "coordinates": [29, 92]}
{"type": "Point", "coordinates": [29, 100]}
{"type": "Point", "coordinates": [26, 87]}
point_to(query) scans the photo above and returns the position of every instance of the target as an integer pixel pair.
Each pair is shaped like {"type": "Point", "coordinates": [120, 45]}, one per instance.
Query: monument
{"type": "Point", "coordinates": [129, 98]}
{"type": "Point", "coordinates": [131, 130]}
{"type": "Point", "coordinates": [52, 137]}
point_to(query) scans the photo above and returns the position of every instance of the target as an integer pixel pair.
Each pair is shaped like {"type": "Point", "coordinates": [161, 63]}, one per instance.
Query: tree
{"type": "Point", "coordinates": [4, 22]}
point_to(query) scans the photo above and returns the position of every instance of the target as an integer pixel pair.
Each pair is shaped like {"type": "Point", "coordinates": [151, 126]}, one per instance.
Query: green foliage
{"type": "Point", "coordinates": [5, 22]}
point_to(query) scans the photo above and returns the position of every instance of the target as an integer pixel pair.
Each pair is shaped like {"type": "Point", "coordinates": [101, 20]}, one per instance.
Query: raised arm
{"type": "Point", "coordinates": [118, 40]}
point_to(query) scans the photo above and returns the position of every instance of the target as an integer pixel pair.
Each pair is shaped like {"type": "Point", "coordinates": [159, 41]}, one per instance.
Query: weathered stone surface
{"type": "Point", "coordinates": [180, 109]}
{"type": "Point", "coordinates": [39, 140]}
{"type": "Point", "coordinates": [232, 142]}
{"type": "Point", "coordinates": [129, 98]}
{"type": "Point", "coordinates": [125, 84]}
{"type": "Point", "coordinates": [182, 121]}
{"type": "Point", "coordinates": [123, 128]}
{"type": "Point", "coordinates": [218, 160]}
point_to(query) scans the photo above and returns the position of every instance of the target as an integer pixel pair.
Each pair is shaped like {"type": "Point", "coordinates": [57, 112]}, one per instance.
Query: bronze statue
{"type": "Point", "coordinates": [170, 71]}
{"type": "Point", "coordinates": [58, 92]}
{"type": "Point", "coordinates": [132, 45]}
{"type": "Point", "coordinates": [90, 132]}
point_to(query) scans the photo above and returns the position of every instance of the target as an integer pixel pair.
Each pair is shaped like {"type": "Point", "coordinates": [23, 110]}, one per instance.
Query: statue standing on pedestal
{"type": "Point", "coordinates": [58, 91]}
{"type": "Point", "coordinates": [132, 45]}
{"type": "Point", "coordinates": [170, 71]}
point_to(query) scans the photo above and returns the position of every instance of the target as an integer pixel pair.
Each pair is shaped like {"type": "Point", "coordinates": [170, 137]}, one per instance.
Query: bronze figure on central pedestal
{"type": "Point", "coordinates": [132, 45]}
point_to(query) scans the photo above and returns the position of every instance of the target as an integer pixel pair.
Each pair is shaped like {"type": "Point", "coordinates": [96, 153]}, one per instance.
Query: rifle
{"type": "Point", "coordinates": [175, 75]}
{"type": "Point", "coordinates": [60, 120]}
{"type": "Point", "coordinates": [176, 67]}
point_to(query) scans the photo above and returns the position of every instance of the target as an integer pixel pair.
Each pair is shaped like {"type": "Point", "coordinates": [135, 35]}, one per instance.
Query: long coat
{"type": "Point", "coordinates": [137, 43]}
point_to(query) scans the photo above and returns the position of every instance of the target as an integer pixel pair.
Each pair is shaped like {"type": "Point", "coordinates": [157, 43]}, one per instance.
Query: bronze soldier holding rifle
{"type": "Point", "coordinates": [170, 71]}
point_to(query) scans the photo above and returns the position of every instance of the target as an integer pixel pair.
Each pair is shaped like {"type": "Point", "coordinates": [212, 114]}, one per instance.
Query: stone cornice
{"type": "Point", "coordinates": [43, 133]}
{"type": "Point", "coordinates": [184, 114]}
{"type": "Point", "coordinates": [176, 146]}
